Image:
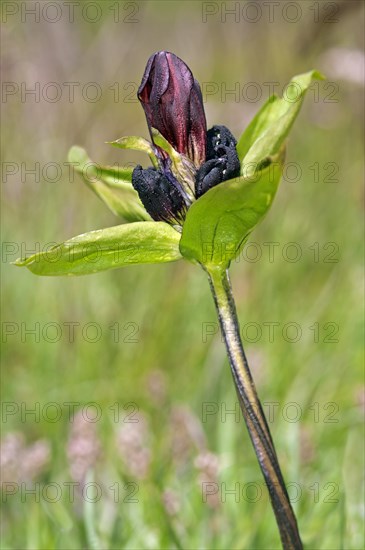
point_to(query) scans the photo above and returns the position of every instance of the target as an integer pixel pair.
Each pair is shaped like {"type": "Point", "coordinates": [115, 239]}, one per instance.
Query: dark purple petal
{"type": "Point", "coordinates": [159, 195]}
{"type": "Point", "coordinates": [172, 102]}
{"type": "Point", "coordinates": [198, 131]}
{"type": "Point", "coordinates": [216, 136]}
{"type": "Point", "coordinates": [222, 160]}
{"type": "Point", "coordinates": [209, 175]}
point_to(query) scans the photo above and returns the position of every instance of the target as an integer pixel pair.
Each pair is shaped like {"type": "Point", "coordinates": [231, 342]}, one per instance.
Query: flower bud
{"type": "Point", "coordinates": [173, 104]}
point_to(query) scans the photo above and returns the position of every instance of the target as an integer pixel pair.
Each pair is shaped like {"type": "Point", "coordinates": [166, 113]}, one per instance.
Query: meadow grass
{"type": "Point", "coordinates": [157, 371]}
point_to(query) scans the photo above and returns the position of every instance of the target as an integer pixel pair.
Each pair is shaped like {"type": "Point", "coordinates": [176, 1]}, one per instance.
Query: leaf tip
{"type": "Point", "coordinates": [117, 143]}
{"type": "Point", "coordinates": [77, 155]}
{"type": "Point", "coordinates": [317, 75]}
{"type": "Point", "coordinates": [19, 262]}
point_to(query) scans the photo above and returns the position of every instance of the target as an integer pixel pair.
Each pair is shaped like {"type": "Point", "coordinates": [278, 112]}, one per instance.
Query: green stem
{"type": "Point", "coordinates": [252, 410]}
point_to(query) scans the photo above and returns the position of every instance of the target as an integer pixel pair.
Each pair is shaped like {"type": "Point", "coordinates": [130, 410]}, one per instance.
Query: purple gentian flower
{"type": "Point", "coordinates": [173, 105]}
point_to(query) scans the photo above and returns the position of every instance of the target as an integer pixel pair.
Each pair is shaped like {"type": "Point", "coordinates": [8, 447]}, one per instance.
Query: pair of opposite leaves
{"type": "Point", "coordinates": [216, 225]}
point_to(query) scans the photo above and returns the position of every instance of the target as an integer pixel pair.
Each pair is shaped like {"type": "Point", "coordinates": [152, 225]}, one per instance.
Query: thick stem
{"type": "Point", "coordinates": [252, 410]}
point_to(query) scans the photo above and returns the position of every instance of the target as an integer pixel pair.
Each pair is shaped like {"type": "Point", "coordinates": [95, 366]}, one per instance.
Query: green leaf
{"type": "Point", "coordinates": [267, 131]}
{"type": "Point", "coordinates": [218, 223]}
{"type": "Point", "coordinates": [137, 144]}
{"type": "Point", "coordinates": [135, 243]}
{"type": "Point", "coordinates": [111, 184]}
{"type": "Point", "coordinates": [260, 122]}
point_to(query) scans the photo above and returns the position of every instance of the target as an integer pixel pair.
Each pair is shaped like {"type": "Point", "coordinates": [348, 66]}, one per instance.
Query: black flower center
{"type": "Point", "coordinates": [161, 194]}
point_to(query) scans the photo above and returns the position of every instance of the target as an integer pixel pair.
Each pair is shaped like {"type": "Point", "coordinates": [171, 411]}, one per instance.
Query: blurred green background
{"type": "Point", "coordinates": [135, 353]}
